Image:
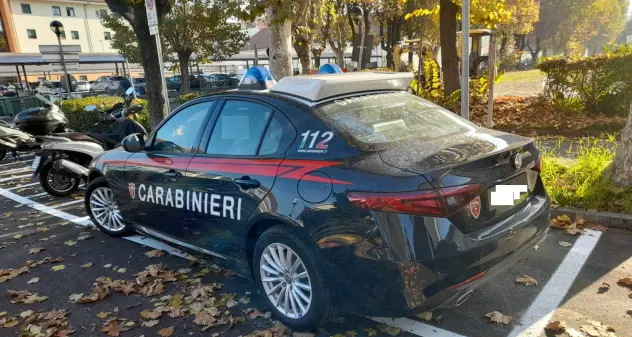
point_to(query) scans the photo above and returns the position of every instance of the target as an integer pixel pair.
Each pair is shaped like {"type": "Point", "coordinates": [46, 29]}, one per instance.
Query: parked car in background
{"type": "Point", "coordinates": [140, 84]}
{"type": "Point", "coordinates": [83, 86]}
{"type": "Point", "coordinates": [175, 82]}
{"type": "Point", "coordinates": [48, 87]}
{"type": "Point", "coordinates": [110, 85]}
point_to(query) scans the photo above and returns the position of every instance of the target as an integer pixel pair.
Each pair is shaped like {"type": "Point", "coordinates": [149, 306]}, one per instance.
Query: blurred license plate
{"type": "Point", "coordinates": [36, 162]}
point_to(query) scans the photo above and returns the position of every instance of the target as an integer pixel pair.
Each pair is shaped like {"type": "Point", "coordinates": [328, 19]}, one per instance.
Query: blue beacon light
{"type": "Point", "coordinates": [257, 78]}
{"type": "Point", "coordinates": [330, 69]}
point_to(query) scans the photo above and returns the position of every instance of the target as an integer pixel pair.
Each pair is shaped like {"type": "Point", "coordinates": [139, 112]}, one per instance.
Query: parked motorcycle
{"type": "Point", "coordinates": [28, 125]}
{"type": "Point", "coordinates": [63, 161]}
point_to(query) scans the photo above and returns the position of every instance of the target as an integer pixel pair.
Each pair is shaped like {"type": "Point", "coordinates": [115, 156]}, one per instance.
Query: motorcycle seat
{"type": "Point", "coordinates": [78, 136]}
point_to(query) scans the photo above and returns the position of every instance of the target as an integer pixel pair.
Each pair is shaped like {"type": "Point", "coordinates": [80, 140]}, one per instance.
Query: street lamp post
{"type": "Point", "coordinates": [58, 29]}
{"type": "Point", "coordinates": [357, 15]}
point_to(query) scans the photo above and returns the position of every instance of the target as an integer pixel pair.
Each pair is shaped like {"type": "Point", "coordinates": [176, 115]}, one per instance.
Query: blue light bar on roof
{"type": "Point", "coordinates": [257, 78]}
{"type": "Point", "coordinates": [330, 69]}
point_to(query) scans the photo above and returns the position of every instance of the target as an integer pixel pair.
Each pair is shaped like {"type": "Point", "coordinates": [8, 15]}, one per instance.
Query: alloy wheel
{"type": "Point", "coordinates": [285, 280]}
{"type": "Point", "coordinates": [105, 210]}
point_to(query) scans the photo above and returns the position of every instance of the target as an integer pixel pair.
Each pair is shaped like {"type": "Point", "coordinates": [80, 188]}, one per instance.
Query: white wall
{"type": "Point", "coordinates": [91, 33]}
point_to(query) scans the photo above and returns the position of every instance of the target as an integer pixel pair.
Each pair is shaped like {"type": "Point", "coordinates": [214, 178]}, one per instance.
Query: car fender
{"type": "Point", "coordinates": [264, 217]}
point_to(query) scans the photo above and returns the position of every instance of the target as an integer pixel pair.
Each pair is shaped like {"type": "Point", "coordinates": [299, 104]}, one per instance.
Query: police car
{"type": "Point", "coordinates": [334, 192]}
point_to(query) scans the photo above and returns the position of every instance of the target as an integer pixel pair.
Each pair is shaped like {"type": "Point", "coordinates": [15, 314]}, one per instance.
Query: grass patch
{"type": "Point", "coordinates": [585, 182]}
{"type": "Point", "coordinates": [533, 75]}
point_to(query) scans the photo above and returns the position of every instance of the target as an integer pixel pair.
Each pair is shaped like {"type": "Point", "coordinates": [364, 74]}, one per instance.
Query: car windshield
{"type": "Point", "coordinates": [390, 117]}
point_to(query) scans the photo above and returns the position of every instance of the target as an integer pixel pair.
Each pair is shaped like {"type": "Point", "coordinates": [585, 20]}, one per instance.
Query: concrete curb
{"type": "Point", "coordinates": [608, 219]}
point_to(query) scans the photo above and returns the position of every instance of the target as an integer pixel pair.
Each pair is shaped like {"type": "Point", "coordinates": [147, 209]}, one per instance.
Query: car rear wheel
{"type": "Point", "coordinates": [57, 184]}
{"type": "Point", "coordinates": [103, 209]}
{"type": "Point", "coordinates": [291, 276]}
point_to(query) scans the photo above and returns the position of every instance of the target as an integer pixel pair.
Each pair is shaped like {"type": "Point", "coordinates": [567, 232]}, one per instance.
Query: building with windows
{"type": "Point", "coordinates": [24, 30]}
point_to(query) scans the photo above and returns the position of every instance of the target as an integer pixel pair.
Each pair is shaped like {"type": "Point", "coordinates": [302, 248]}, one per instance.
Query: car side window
{"type": "Point", "coordinates": [278, 137]}
{"type": "Point", "coordinates": [180, 132]}
{"type": "Point", "coordinates": [239, 128]}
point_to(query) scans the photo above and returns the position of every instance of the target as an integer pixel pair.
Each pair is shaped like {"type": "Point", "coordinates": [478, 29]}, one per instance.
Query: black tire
{"type": "Point", "coordinates": [322, 306]}
{"type": "Point", "coordinates": [96, 183]}
{"type": "Point", "coordinates": [43, 178]}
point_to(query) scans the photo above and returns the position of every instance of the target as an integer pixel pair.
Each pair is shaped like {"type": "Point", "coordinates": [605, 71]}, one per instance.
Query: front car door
{"type": "Point", "coordinates": [235, 172]}
{"type": "Point", "coordinates": [159, 199]}
{"type": "Point", "coordinates": [97, 86]}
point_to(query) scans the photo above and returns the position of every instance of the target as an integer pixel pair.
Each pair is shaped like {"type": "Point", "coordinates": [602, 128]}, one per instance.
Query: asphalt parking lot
{"type": "Point", "coordinates": [570, 281]}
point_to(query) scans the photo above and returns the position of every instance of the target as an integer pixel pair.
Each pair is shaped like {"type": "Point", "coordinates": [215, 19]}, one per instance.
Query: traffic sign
{"type": "Point", "coordinates": [152, 15]}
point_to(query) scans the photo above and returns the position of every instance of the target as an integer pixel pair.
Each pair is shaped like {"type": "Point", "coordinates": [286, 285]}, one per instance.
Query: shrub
{"type": "Point", "coordinates": [83, 121]}
{"type": "Point", "coordinates": [595, 84]}
{"type": "Point", "coordinates": [585, 182]}
{"type": "Point", "coordinates": [187, 97]}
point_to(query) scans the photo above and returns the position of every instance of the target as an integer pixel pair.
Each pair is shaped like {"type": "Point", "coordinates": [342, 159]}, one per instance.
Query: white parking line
{"type": "Point", "coordinates": [541, 309]}
{"type": "Point", "coordinates": [21, 169]}
{"type": "Point", "coordinates": [15, 177]}
{"type": "Point", "coordinates": [21, 186]}
{"type": "Point", "coordinates": [37, 195]}
{"type": "Point", "coordinates": [67, 203]}
{"type": "Point", "coordinates": [416, 327]}
{"type": "Point", "coordinates": [16, 162]}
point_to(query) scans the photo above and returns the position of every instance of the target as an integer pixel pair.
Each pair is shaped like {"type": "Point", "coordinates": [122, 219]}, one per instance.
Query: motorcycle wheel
{"type": "Point", "coordinates": [3, 153]}
{"type": "Point", "coordinates": [57, 184]}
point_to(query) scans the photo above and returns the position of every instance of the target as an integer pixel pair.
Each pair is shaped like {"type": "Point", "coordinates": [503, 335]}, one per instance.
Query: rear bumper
{"type": "Point", "coordinates": [435, 269]}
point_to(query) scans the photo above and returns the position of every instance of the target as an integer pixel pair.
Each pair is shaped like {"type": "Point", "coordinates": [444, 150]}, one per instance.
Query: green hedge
{"type": "Point", "coordinates": [599, 84]}
{"type": "Point", "coordinates": [83, 121]}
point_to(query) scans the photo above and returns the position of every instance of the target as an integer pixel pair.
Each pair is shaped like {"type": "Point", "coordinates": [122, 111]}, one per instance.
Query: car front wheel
{"type": "Point", "coordinates": [291, 277]}
{"type": "Point", "coordinates": [103, 209]}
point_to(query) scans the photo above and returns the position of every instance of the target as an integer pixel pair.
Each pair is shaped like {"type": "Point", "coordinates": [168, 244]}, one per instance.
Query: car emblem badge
{"type": "Point", "coordinates": [475, 207]}
{"type": "Point", "coordinates": [516, 161]}
{"type": "Point", "coordinates": [132, 190]}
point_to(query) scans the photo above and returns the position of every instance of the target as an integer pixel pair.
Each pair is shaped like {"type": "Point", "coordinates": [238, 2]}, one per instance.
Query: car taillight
{"type": "Point", "coordinates": [538, 164]}
{"type": "Point", "coordinates": [441, 202]}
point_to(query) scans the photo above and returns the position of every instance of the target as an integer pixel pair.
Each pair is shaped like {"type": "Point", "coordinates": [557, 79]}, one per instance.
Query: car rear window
{"type": "Point", "coordinates": [390, 117]}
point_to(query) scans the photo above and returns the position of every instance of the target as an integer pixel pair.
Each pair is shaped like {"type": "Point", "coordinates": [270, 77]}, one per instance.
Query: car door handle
{"type": "Point", "coordinates": [173, 174]}
{"type": "Point", "coordinates": [247, 183]}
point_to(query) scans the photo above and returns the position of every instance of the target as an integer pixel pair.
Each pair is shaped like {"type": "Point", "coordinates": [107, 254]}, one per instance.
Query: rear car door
{"type": "Point", "coordinates": [235, 172]}
{"type": "Point", "coordinates": [156, 176]}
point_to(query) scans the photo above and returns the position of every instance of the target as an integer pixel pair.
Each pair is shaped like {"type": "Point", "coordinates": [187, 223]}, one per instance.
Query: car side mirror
{"type": "Point", "coordinates": [133, 143]}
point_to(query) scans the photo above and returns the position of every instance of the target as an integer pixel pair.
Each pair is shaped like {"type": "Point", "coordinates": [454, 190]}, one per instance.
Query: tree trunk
{"type": "Point", "coordinates": [151, 67]}
{"type": "Point", "coordinates": [280, 44]}
{"type": "Point", "coordinates": [622, 166]}
{"type": "Point", "coordinates": [449, 56]}
{"type": "Point", "coordinates": [316, 53]}
{"type": "Point", "coordinates": [340, 57]}
{"type": "Point", "coordinates": [183, 58]}
{"type": "Point", "coordinates": [302, 47]}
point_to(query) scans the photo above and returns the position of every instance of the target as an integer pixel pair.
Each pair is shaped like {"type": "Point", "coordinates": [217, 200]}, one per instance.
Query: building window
{"type": "Point", "coordinates": [83, 78]}
{"type": "Point", "coordinates": [56, 11]}
{"type": "Point", "coordinates": [63, 35]}
{"type": "Point", "coordinates": [32, 34]}
{"type": "Point", "coordinates": [26, 8]}
{"type": "Point", "coordinates": [103, 12]}
{"type": "Point", "coordinates": [107, 35]}
{"type": "Point", "coordinates": [74, 34]}
{"type": "Point", "coordinates": [70, 11]}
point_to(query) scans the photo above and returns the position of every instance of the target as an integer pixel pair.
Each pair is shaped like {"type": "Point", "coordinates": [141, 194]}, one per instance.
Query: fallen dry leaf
{"type": "Point", "coordinates": [121, 270]}
{"type": "Point", "coordinates": [84, 237]}
{"type": "Point", "coordinates": [25, 314]}
{"type": "Point", "coordinates": [103, 314]}
{"type": "Point", "coordinates": [625, 282]}
{"type": "Point", "coordinates": [113, 329]}
{"type": "Point", "coordinates": [9, 322]}
{"type": "Point", "coordinates": [70, 243]}
{"type": "Point", "coordinates": [564, 244]}
{"type": "Point", "coordinates": [527, 280]}
{"type": "Point", "coordinates": [556, 326]}
{"type": "Point", "coordinates": [426, 315]}
{"type": "Point", "coordinates": [17, 236]}
{"type": "Point", "coordinates": [35, 250]}
{"type": "Point", "coordinates": [605, 286]}
{"type": "Point", "coordinates": [25, 297]}
{"type": "Point", "coordinates": [573, 230]}
{"type": "Point", "coordinates": [598, 228]}
{"type": "Point", "coordinates": [57, 267]}
{"type": "Point", "coordinates": [254, 313]}
{"type": "Point", "coordinates": [498, 317]}
{"type": "Point", "coordinates": [107, 265]}
{"type": "Point", "coordinates": [166, 332]}
{"type": "Point", "coordinates": [150, 314]}
{"type": "Point", "coordinates": [33, 280]}
{"type": "Point", "coordinates": [87, 265]}
{"type": "Point", "coordinates": [393, 331]}
{"type": "Point", "coordinates": [155, 253]}
{"type": "Point", "coordinates": [370, 332]}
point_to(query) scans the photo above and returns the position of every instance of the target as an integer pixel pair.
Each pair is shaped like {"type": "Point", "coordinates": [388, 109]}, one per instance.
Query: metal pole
{"type": "Point", "coordinates": [465, 60]}
{"type": "Point", "coordinates": [162, 74]}
{"type": "Point", "coordinates": [360, 27]}
{"type": "Point", "coordinates": [26, 79]}
{"type": "Point", "coordinates": [492, 76]}
{"type": "Point", "coordinates": [256, 56]}
{"type": "Point", "coordinates": [63, 64]}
